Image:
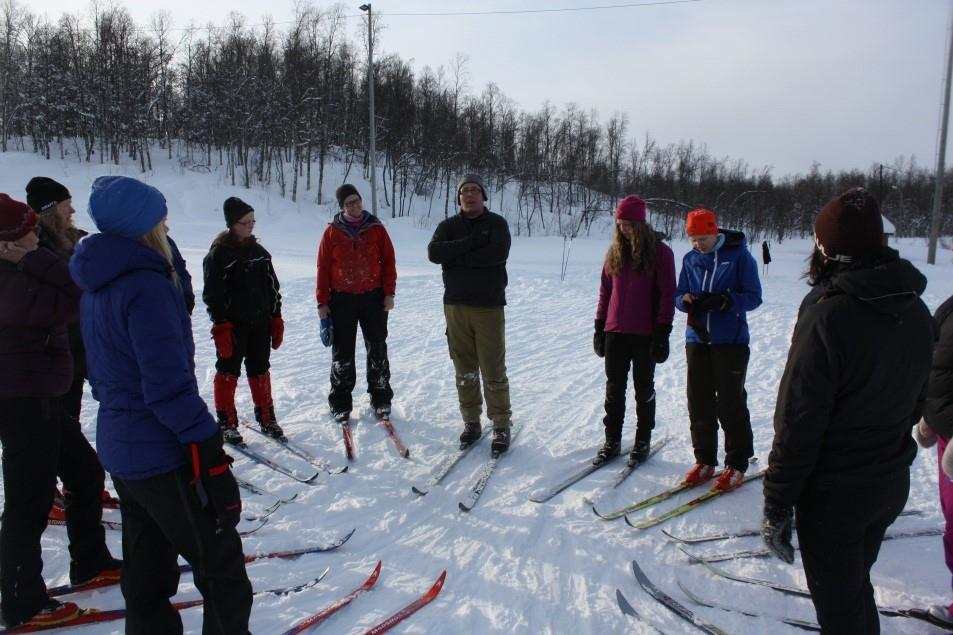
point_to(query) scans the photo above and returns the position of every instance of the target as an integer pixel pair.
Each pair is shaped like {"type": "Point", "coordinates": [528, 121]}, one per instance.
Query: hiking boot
{"type": "Point", "coordinates": [501, 441]}
{"type": "Point", "coordinates": [640, 452]}
{"type": "Point", "coordinates": [267, 423]}
{"type": "Point", "coordinates": [609, 450]}
{"type": "Point", "coordinates": [472, 430]}
{"type": "Point", "coordinates": [699, 474]}
{"type": "Point", "coordinates": [341, 417]}
{"type": "Point", "coordinates": [53, 612]}
{"type": "Point", "coordinates": [941, 613]}
{"type": "Point", "coordinates": [108, 570]}
{"type": "Point", "coordinates": [382, 411]}
{"type": "Point", "coordinates": [728, 480]}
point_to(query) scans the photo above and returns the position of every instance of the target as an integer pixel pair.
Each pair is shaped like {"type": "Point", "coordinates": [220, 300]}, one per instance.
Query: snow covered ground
{"type": "Point", "coordinates": [512, 565]}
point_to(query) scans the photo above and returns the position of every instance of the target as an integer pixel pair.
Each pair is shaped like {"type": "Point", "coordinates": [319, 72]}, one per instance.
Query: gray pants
{"type": "Point", "coordinates": [476, 337]}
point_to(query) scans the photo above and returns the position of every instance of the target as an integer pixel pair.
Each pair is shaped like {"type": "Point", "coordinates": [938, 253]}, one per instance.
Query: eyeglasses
{"type": "Point", "coordinates": [356, 202]}
{"type": "Point", "coordinates": [467, 191]}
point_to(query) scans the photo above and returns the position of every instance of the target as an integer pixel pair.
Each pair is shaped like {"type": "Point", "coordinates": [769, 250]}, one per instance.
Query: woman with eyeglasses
{"type": "Point", "coordinates": [633, 324]}
{"type": "Point", "coordinates": [39, 301]}
{"type": "Point", "coordinates": [357, 278]}
{"type": "Point", "coordinates": [243, 299]}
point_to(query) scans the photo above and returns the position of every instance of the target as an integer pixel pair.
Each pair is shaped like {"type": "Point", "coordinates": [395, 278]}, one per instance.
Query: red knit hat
{"type": "Point", "coordinates": [849, 226]}
{"type": "Point", "coordinates": [701, 222]}
{"type": "Point", "coordinates": [631, 208]}
{"type": "Point", "coordinates": [16, 219]}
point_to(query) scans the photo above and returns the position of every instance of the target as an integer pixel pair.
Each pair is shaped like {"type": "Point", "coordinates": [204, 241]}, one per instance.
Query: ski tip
{"type": "Point", "coordinates": [419, 492]}
{"type": "Point", "coordinates": [406, 454]}
{"type": "Point", "coordinates": [629, 522]}
{"type": "Point", "coordinates": [348, 536]}
{"type": "Point", "coordinates": [374, 575]}
{"type": "Point", "coordinates": [463, 507]}
{"type": "Point", "coordinates": [624, 605]}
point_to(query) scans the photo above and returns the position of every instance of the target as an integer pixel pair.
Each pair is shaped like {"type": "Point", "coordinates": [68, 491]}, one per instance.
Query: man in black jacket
{"type": "Point", "coordinates": [853, 387]}
{"type": "Point", "coordinates": [472, 248]}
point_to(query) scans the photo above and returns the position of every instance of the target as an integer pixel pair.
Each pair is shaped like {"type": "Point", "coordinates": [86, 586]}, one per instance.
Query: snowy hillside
{"type": "Point", "coordinates": [513, 566]}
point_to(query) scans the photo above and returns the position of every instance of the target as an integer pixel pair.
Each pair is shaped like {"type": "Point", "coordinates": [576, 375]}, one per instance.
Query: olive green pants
{"type": "Point", "coordinates": [476, 337]}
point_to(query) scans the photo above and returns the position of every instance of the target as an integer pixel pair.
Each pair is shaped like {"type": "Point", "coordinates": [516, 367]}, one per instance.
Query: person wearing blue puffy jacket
{"type": "Point", "coordinates": [154, 434]}
{"type": "Point", "coordinates": [717, 286]}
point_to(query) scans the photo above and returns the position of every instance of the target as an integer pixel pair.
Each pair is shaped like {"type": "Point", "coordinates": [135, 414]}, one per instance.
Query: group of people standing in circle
{"type": "Point", "coordinates": [860, 373]}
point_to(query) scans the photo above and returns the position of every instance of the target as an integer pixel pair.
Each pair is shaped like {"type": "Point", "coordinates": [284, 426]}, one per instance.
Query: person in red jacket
{"type": "Point", "coordinates": [357, 278]}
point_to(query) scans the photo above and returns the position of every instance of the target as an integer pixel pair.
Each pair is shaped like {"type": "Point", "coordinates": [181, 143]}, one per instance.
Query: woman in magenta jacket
{"type": "Point", "coordinates": [633, 323]}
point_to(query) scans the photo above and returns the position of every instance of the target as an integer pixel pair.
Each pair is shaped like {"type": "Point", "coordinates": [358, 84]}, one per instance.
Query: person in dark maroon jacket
{"type": "Point", "coordinates": [37, 301]}
{"type": "Point", "coordinates": [633, 324]}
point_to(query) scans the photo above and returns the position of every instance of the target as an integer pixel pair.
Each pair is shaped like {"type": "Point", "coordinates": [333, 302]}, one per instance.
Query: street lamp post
{"type": "Point", "coordinates": [370, 100]}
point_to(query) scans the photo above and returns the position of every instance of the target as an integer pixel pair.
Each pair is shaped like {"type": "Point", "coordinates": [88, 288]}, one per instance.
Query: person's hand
{"type": "Point", "coordinates": [713, 302]}
{"type": "Point", "coordinates": [388, 302]}
{"type": "Point", "coordinates": [924, 434]}
{"type": "Point", "coordinates": [688, 298]}
{"type": "Point", "coordinates": [776, 528]}
{"type": "Point", "coordinates": [222, 334]}
{"type": "Point", "coordinates": [659, 349]}
{"type": "Point", "coordinates": [12, 252]}
{"type": "Point", "coordinates": [599, 338]}
{"type": "Point", "coordinates": [277, 332]}
{"type": "Point", "coordinates": [212, 480]}
{"type": "Point", "coordinates": [323, 311]}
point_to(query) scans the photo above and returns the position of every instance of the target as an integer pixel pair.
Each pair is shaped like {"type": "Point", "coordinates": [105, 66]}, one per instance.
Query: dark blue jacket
{"type": "Point", "coordinates": [140, 357]}
{"type": "Point", "coordinates": [728, 267]}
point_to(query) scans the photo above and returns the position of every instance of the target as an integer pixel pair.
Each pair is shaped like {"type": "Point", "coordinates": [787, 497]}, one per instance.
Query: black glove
{"type": "Point", "coordinates": [212, 480]}
{"type": "Point", "coordinates": [599, 338]}
{"type": "Point", "coordinates": [776, 529]}
{"type": "Point", "coordinates": [713, 302]}
{"type": "Point", "coordinates": [695, 322]}
{"type": "Point", "coordinates": [660, 342]}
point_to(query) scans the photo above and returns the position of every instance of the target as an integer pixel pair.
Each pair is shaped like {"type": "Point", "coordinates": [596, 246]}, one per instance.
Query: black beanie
{"type": "Point", "coordinates": [42, 193]}
{"type": "Point", "coordinates": [235, 208]}
{"type": "Point", "coordinates": [849, 226]}
{"type": "Point", "coordinates": [471, 178]}
{"type": "Point", "coordinates": [344, 191]}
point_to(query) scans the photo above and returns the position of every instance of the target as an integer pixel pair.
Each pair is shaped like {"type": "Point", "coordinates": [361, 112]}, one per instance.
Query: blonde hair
{"type": "Point", "coordinates": [59, 231]}
{"type": "Point", "coordinates": [156, 240]}
{"type": "Point", "coordinates": [639, 254]}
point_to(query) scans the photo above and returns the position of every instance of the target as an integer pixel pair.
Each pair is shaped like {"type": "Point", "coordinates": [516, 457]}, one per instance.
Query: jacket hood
{"type": "Point", "coordinates": [101, 258]}
{"type": "Point", "coordinates": [733, 238]}
{"type": "Point", "coordinates": [368, 221]}
{"type": "Point", "coordinates": [891, 285]}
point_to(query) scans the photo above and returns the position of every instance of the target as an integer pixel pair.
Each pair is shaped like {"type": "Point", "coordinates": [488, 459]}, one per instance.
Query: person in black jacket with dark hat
{"type": "Point", "coordinates": [853, 387]}
{"type": "Point", "coordinates": [471, 248]}
{"type": "Point", "coordinates": [244, 302]}
{"type": "Point", "coordinates": [936, 428]}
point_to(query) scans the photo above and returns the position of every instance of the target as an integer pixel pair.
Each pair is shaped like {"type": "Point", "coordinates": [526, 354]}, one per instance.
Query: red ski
{"type": "Point", "coordinates": [410, 609]}
{"type": "Point", "coordinates": [329, 610]}
{"type": "Point", "coordinates": [392, 433]}
{"type": "Point", "coordinates": [348, 442]}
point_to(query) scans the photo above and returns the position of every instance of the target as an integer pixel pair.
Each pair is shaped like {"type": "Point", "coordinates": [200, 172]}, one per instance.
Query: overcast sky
{"type": "Point", "coordinates": [778, 83]}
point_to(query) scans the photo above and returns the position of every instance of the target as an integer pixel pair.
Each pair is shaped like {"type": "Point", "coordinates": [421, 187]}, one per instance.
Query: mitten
{"type": "Point", "coordinates": [713, 302]}
{"type": "Point", "coordinates": [776, 529]}
{"type": "Point", "coordinates": [599, 338]}
{"type": "Point", "coordinates": [924, 434]}
{"type": "Point", "coordinates": [659, 349]}
{"type": "Point", "coordinates": [222, 334]}
{"type": "Point", "coordinates": [327, 330]}
{"type": "Point", "coordinates": [212, 480]}
{"type": "Point", "coordinates": [947, 461]}
{"type": "Point", "coordinates": [277, 332]}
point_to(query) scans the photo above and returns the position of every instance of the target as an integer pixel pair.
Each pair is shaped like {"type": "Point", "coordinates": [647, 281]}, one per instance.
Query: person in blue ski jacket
{"type": "Point", "coordinates": [154, 433]}
{"type": "Point", "coordinates": [717, 286]}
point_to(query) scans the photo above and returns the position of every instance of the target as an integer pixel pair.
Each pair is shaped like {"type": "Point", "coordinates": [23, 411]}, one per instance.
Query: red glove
{"type": "Point", "coordinates": [277, 331]}
{"type": "Point", "coordinates": [222, 334]}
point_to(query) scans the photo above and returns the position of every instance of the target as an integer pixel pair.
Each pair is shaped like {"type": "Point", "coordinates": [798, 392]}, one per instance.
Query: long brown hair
{"type": "Point", "coordinates": [639, 254]}
{"type": "Point", "coordinates": [62, 234]}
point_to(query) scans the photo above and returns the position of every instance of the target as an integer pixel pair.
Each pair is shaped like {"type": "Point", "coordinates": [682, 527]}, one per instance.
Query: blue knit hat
{"type": "Point", "coordinates": [125, 206]}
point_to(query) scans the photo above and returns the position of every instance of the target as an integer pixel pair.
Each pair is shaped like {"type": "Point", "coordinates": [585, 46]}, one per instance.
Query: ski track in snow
{"type": "Point", "coordinates": [513, 565]}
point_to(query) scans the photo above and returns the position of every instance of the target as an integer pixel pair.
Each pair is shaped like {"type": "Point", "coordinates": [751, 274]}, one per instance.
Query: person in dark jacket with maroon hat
{"type": "Point", "coordinates": [633, 324]}
{"type": "Point", "coordinates": [853, 387]}
{"type": "Point", "coordinates": [936, 428]}
{"type": "Point", "coordinates": [243, 299]}
{"type": "Point", "coordinates": [39, 300]}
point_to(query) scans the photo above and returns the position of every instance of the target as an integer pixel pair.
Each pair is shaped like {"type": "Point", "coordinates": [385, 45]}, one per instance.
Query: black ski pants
{"type": "Point", "coordinates": [251, 343]}
{"type": "Point", "coordinates": [350, 310]}
{"type": "Point", "coordinates": [162, 519]}
{"type": "Point", "coordinates": [40, 442]}
{"type": "Point", "coordinates": [623, 351]}
{"type": "Point", "coordinates": [716, 394]}
{"type": "Point", "coordinates": [839, 529]}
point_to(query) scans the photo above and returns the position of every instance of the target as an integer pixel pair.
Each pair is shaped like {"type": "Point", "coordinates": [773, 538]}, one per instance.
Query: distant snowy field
{"type": "Point", "coordinates": [512, 565]}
